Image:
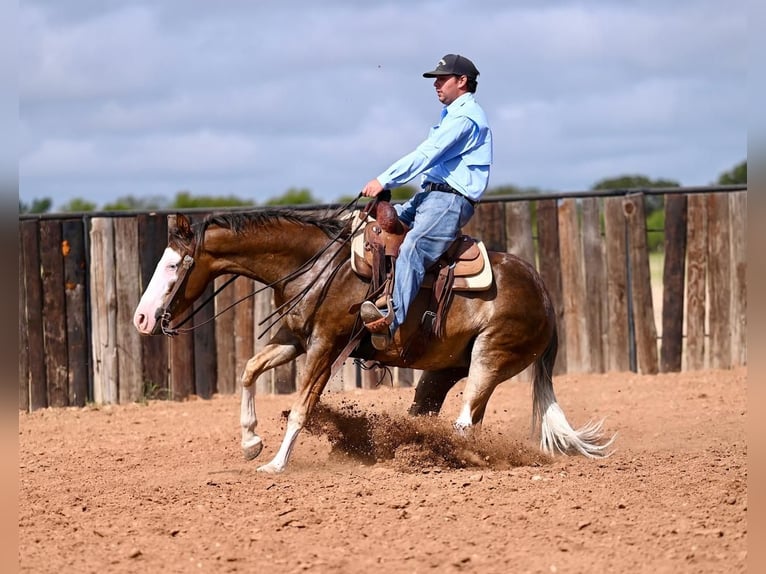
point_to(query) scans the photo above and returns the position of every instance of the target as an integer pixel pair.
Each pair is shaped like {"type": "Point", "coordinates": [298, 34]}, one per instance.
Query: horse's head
{"type": "Point", "coordinates": [176, 283]}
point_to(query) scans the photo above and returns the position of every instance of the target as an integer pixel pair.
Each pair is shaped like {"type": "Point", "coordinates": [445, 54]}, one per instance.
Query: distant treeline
{"type": "Point", "coordinates": [303, 196]}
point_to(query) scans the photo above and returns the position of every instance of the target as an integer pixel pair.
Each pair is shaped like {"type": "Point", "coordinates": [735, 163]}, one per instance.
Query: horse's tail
{"type": "Point", "coordinates": [556, 434]}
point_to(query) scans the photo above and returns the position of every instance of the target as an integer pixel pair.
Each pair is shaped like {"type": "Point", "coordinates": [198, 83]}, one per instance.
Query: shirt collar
{"type": "Point", "coordinates": [461, 101]}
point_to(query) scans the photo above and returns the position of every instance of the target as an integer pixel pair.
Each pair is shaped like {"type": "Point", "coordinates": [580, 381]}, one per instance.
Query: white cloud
{"type": "Point", "coordinates": [262, 96]}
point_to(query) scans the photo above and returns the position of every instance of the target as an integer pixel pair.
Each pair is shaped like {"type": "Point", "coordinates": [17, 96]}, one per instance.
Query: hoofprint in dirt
{"type": "Point", "coordinates": [163, 487]}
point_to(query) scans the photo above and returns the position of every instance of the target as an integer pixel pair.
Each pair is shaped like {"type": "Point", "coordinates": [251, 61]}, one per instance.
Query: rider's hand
{"type": "Point", "coordinates": [372, 188]}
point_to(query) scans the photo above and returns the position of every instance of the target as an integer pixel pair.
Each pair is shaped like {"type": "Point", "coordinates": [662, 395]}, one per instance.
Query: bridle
{"type": "Point", "coordinates": [163, 315]}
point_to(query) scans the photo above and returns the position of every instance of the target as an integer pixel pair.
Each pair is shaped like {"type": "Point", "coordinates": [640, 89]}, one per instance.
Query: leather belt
{"type": "Point", "coordinates": [445, 187]}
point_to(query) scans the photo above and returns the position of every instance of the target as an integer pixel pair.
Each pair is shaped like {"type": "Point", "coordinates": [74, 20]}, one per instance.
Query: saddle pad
{"type": "Point", "coordinates": [478, 281]}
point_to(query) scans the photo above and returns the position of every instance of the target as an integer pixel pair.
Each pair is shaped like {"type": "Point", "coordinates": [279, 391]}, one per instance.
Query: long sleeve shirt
{"type": "Point", "coordinates": [457, 151]}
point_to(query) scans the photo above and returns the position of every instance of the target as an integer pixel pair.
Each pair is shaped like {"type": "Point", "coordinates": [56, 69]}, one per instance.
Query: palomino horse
{"type": "Point", "coordinates": [488, 336]}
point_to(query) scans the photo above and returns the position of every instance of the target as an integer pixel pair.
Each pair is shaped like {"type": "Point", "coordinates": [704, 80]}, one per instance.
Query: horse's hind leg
{"type": "Point", "coordinates": [486, 373]}
{"type": "Point", "coordinates": [432, 389]}
{"type": "Point", "coordinates": [279, 350]}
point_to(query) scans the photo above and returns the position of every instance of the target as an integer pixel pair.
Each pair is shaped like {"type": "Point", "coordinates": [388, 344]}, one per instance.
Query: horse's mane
{"type": "Point", "coordinates": [241, 222]}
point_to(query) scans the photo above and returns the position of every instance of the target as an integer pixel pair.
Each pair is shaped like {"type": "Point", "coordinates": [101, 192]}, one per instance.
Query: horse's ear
{"type": "Point", "coordinates": [179, 226]}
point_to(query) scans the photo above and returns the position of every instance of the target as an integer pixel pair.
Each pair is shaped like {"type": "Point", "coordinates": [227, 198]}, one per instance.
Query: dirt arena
{"type": "Point", "coordinates": [163, 487]}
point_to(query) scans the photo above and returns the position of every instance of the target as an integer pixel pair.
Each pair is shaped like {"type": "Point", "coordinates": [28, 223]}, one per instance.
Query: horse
{"type": "Point", "coordinates": [304, 257]}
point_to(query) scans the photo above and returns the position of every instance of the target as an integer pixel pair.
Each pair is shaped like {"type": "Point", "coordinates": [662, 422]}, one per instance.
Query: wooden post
{"type": "Point", "coordinates": [103, 311]}
{"type": "Point", "coordinates": [673, 276]}
{"type": "Point", "coordinates": [181, 362]}
{"type": "Point", "coordinates": [128, 294]}
{"type": "Point", "coordinates": [573, 288]}
{"type": "Point", "coordinates": [75, 278]}
{"type": "Point", "coordinates": [488, 224]}
{"type": "Point", "coordinates": [263, 305]}
{"type": "Point", "coordinates": [54, 317]}
{"type": "Point", "coordinates": [738, 218]}
{"type": "Point", "coordinates": [243, 324]}
{"type": "Point", "coordinates": [226, 373]}
{"type": "Point", "coordinates": [30, 323]}
{"type": "Point", "coordinates": [518, 231]}
{"type": "Point", "coordinates": [23, 339]}
{"type": "Point", "coordinates": [403, 377]}
{"type": "Point", "coordinates": [696, 266]}
{"type": "Point", "coordinates": [152, 240]}
{"type": "Point", "coordinates": [719, 266]}
{"type": "Point", "coordinates": [519, 242]}
{"type": "Point", "coordinates": [593, 258]}
{"type": "Point", "coordinates": [550, 270]}
{"type": "Point", "coordinates": [617, 351]}
{"type": "Point", "coordinates": [205, 366]}
{"type": "Point", "coordinates": [37, 384]}
{"type": "Point", "coordinates": [641, 285]}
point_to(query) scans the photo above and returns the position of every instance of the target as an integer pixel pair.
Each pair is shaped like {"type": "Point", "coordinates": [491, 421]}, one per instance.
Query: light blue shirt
{"type": "Point", "coordinates": [458, 151]}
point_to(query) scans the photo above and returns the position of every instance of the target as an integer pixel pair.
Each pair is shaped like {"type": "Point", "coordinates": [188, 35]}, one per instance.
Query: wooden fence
{"type": "Point", "coordinates": [80, 279]}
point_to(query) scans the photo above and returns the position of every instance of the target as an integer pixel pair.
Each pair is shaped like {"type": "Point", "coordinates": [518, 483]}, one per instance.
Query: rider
{"type": "Point", "coordinates": [454, 161]}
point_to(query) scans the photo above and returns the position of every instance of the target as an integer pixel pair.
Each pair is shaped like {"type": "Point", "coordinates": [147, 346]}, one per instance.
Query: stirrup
{"type": "Point", "coordinates": [378, 325]}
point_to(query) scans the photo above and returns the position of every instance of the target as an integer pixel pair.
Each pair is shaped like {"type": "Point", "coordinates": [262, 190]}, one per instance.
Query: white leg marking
{"type": "Point", "coordinates": [464, 422]}
{"type": "Point", "coordinates": [279, 462]}
{"type": "Point", "coordinates": [251, 442]}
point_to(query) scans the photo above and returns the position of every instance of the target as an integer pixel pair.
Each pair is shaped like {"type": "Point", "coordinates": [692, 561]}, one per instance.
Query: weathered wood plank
{"type": "Point", "coordinates": [719, 267]}
{"type": "Point", "coordinates": [550, 269]}
{"type": "Point", "coordinates": [38, 387]}
{"type": "Point", "coordinates": [573, 288]}
{"type": "Point", "coordinates": [152, 240]}
{"type": "Point", "coordinates": [226, 375]}
{"type": "Point", "coordinates": [518, 231]}
{"type": "Point", "coordinates": [618, 348]}
{"type": "Point", "coordinates": [128, 285]}
{"type": "Point", "coordinates": [738, 222]}
{"type": "Point", "coordinates": [181, 360]}
{"type": "Point", "coordinates": [75, 279]}
{"type": "Point", "coordinates": [244, 324]}
{"type": "Point", "coordinates": [284, 378]}
{"type": "Point", "coordinates": [23, 340]}
{"type": "Point", "coordinates": [103, 311]}
{"type": "Point", "coordinates": [519, 242]}
{"type": "Point", "coordinates": [593, 259]}
{"type": "Point", "coordinates": [696, 270]}
{"type": "Point", "coordinates": [263, 305]}
{"type": "Point", "coordinates": [641, 285]}
{"type": "Point", "coordinates": [488, 224]}
{"type": "Point", "coordinates": [205, 365]}
{"type": "Point", "coordinates": [54, 317]}
{"type": "Point", "coordinates": [673, 276]}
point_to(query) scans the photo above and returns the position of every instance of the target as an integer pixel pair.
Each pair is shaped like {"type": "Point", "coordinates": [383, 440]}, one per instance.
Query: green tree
{"type": "Point", "coordinates": [511, 190]}
{"type": "Point", "coordinates": [737, 174]}
{"type": "Point", "coordinates": [78, 205]}
{"type": "Point", "coordinates": [653, 202]}
{"type": "Point", "coordinates": [131, 203]}
{"type": "Point", "coordinates": [632, 182]}
{"type": "Point", "coordinates": [294, 196]}
{"type": "Point", "coordinates": [185, 200]}
{"type": "Point", "coordinates": [37, 206]}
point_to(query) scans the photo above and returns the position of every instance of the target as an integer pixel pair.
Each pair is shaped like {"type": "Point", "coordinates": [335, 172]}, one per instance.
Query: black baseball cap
{"type": "Point", "coordinates": [453, 65]}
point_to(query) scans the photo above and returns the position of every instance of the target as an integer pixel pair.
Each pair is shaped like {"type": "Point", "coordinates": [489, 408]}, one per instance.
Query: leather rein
{"type": "Point", "coordinates": [163, 313]}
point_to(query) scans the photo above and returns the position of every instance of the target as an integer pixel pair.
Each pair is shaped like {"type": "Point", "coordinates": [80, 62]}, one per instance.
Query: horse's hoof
{"type": "Point", "coordinates": [253, 449]}
{"type": "Point", "coordinates": [269, 469]}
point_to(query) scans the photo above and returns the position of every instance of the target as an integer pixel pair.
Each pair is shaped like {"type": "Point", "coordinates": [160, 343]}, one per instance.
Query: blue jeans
{"type": "Point", "coordinates": [435, 219]}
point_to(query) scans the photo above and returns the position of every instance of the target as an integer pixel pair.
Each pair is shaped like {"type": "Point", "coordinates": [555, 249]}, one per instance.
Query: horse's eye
{"type": "Point", "coordinates": [173, 266]}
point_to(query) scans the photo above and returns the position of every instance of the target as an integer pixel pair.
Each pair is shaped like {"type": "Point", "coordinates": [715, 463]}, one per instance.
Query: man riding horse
{"type": "Point", "coordinates": [454, 161]}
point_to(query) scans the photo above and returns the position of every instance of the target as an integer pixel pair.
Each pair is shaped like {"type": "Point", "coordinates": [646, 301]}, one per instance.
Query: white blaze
{"type": "Point", "coordinates": [162, 282]}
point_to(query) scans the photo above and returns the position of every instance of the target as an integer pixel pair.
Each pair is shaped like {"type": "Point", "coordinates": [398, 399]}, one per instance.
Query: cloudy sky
{"type": "Point", "coordinates": [251, 98]}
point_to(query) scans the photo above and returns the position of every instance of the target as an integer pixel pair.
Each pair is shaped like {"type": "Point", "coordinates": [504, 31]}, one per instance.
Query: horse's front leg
{"type": "Point", "coordinates": [279, 350]}
{"type": "Point", "coordinates": [312, 383]}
